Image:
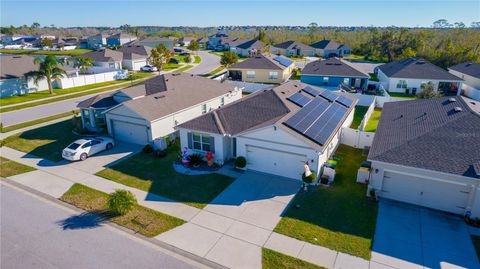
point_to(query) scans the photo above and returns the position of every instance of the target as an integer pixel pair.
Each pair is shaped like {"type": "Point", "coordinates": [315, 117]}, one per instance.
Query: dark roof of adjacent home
{"type": "Point", "coordinates": [166, 94]}
{"type": "Point", "coordinates": [16, 66]}
{"type": "Point", "coordinates": [133, 52]}
{"type": "Point", "coordinates": [440, 134]}
{"type": "Point", "coordinates": [415, 68]}
{"type": "Point", "coordinates": [234, 41]}
{"type": "Point", "coordinates": [469, 68]}
{"type": "Point", "coordinates": [252, 44]}
{"type": "Point", "coordinates": [332, 67]}
{"type": "Point", "coordinates": [104, 55]}
{"type": "Point", "coordinates": [257, 110]}
{"type": "Point", "coordinates": [104, 100]}
{"type": "Point", "coordinates": [120, 35]}
{"type": "Point", "coordinates": [326, 45]}
{"type": "Point", "coordinates": [260, 62]}
{"type": "Point", "coordinates": [291, 44]}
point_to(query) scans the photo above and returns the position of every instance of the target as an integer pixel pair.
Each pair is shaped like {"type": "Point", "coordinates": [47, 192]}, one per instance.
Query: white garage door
{"type": "Point", "coordinates": [287, 164]}
{"type": "Point", "coordinates": [138, 64]}
{"type": "Point", "coordinates": [129, 132]}
{"type": "Point", "coordinates": [446, 196]}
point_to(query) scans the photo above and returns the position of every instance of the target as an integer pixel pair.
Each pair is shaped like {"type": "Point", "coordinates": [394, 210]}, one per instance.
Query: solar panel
{"type": "Point", "coordinates": [324, 126]}
{"type": "Point", "coordinates": [304, 118]}
{"type": "Point", "coordinates": [283, 61]}
{"type": "Point", "coordinates": [299, 99]}
{"type": "Point", "coordinates": [345, 101]}
{"type": "Point", "coordinates": [311, 91]}
{"type": "Point", "coordinates": [329, 95]}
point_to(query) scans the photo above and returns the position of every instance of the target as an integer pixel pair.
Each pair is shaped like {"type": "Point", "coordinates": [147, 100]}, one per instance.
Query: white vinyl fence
{"type": "Point", "coordinates": [356, 138]}
{"type": "Point", "coordinates": [88, 79]}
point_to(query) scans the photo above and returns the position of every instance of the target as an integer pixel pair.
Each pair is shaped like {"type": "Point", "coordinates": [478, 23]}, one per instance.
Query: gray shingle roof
{"type": "Point", "coordinates": [16, 66]}
{"type": "Point", "coordinates": [415, 68]}
{"type": "Point", "coordinates": [293, 45]}
{"type": "Point", "coordinates": [133, 52]}
{"type": "Point", "coordinates": [332, 67]}
{"type": "Point", "coordinates": [252, 44]}
{"type": "Point", "coordinates": [104, 55]}
{"type": "Point", "coordinates": [99, 101]}
{"type": "Point", "coordinates": [471, 69]}
{"type": "Point", "coordinates": [429, 134]}
{"type": "Point", "coordinates": [326, 44]}
{"type": "Point", "coordinates": [259, 62]}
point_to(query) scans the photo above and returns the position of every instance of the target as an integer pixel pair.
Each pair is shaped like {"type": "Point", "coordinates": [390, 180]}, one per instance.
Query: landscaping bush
{"type": "Point", "coordinates": [187, 59]}
{"type": "Point", "coordinates": [160, 153]}
{"type": "Point", "coordinates": [147, 149]}
{"type": "Point", "coordinates": [241, 162]}
{"type": "Point", "coordinates": [121, 201]}
{"type": "Point", "coordinates": [310, 178]}
{"type": "Point", "coordinates": [195, 159]}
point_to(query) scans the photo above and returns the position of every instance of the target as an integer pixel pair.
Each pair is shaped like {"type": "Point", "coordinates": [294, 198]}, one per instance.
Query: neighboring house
{"type": "Point", "coordinates": [249, 48]}
{"type": "Point", "coordinates": [119, 39]}
{"type": "Point", "coordinates": [141, 113]}
{"type": "Point", "coordinates": [333, 72]}
{"type": "Point", "coordinates": [134, 56]}
{"type": "Point", "coordinates": [470, 73]}
{"type": "Point", "coordinates": [292, 49]}
{"type": "Point", "coordinates": [153, 42]}
{"type": "Point", "coordinates": [202, 42]}
{"type": "Point", "coordinates": [11, 39]}
{"type": "Point", "coordinates": [216, 40]}
{"type": "Point", "coordinates": [106, 58]}
{"type": "Point", "coordinates": [427, 152]}
{"type": "Point", "coordinates": [274, 134]}
{"type": "Point", "coordinates": [262, 69]}
{"type": "Point", "coordinates": [97, 41]}
{"type": "Point", "coordinates": [409, 75]}
{"type": "Point", "coordinates": [229, 42]}
{"type": "Point", "coordinates": [185, 41]}
{"type": "Point", "coordinates": [330, 48]}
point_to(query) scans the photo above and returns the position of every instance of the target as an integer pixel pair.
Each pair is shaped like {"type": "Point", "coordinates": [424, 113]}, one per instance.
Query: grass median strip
{"type": "Point", "coordinates": [214, 72]}
{"type": "Point", "coordinates": [273, 260]}
{"type": "Point", "coordinates": [185, 68]}
{"type": "Point", "coordinates": [10, 168]}
{"type": "Point", "coordinates": [38, 121]}
{"type": "Point", "coordinates": [140, 219]}
{"type": "Point", "coordinates": [198, 59]}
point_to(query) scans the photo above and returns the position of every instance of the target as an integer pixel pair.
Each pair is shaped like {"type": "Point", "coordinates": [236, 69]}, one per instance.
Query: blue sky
{"type": "Point", "coordinates": [246, 12]}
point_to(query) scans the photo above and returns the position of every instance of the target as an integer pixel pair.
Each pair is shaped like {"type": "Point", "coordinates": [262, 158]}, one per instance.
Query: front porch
{"type": "Point", "coordinates": [93, 119]}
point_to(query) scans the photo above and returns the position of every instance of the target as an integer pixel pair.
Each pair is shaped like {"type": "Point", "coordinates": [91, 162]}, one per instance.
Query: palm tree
{"type": "Point", "coordinates": [83, 62]}
{"type": "Point", "coordinates": [48, 69]}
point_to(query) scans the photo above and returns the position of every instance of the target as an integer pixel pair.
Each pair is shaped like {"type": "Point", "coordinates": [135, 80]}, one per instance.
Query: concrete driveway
{"type": "Point", "coordinates": [408, 236]}
{"type": "Point", "coordinates": [232, 229]}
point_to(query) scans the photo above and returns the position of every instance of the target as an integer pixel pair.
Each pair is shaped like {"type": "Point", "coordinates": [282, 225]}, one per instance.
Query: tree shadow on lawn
{"type": "Point", "coordinates": [86, 220]}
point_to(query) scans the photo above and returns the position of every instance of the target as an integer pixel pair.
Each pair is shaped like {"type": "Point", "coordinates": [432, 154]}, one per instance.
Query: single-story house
{"type": "Point", "coordinates": [470, 73]}
{"type": "Point", "coordinates": [97, 41]}
{"type": "Point", "coordinates": [106, 58]}
{"type": "Point", "coordinates": [185, 41]}
{"type": "Point", "coordinates": [330, 48]}
{"type": "Point", "coordinates": [134, 56]}
{"type": "Point", "coordinates": [427, 152]}
{"type": "Point", "coordinates": [153, 42]}
{"type": "Point", "coordinates": [119, 39]}
{"type": "Point", "coordinates": [409, 75]}
{"type": "Point", "coordinates": [142, 113]}
{"type": "Point", "coordinates": [333, 72]}
{"type": "Point", "coordinates": [277, 130]}
{"type": "Point", "coordinates": [292, 49]}
{"type": "Point", "coordinates": [249, 48]}
{"type": "Point", "coordinates": [262, 69]}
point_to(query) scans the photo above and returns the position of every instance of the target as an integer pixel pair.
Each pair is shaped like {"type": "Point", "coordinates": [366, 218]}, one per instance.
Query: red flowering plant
{"type": "Point", "coordinates": [209, 155]}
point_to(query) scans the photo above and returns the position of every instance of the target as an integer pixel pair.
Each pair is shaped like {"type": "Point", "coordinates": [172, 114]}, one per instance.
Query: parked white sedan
{"type": "Point", "coordinates": [86, 147]}
{"type": "Point", "coordinates": [148, 68]}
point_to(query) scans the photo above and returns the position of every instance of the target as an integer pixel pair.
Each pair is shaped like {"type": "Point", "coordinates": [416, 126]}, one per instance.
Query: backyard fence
{"type": "Point", "coordinates": [356, 138]}
{"type": "Point", "coordinates": [82, 80]}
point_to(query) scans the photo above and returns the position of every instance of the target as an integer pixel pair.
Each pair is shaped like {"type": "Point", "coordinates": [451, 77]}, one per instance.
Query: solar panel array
{"type": "Point", "coordinates": [299, 99]}
{"type": "Point", "coordinates": [345, 101]}
{"type": "Point", "coordinates": [283, 61]}
{"type": "Point", "coordinates": [313, 92]}
{"type": "Point", "coordinates": [329, 95]}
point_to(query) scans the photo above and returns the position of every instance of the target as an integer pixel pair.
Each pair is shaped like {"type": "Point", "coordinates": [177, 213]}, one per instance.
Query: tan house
{"type": "Point", "coordinates": [262, 69]}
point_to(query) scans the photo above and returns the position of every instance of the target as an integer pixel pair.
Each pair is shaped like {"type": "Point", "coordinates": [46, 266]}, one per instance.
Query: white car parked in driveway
{"type": "Point", "coordinates": [148, 68]}
{"type": "Point", "coordinates": [86, 147]}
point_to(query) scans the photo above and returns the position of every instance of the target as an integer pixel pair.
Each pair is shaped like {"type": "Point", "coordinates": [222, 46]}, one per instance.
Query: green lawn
{"type": "Point", "coordinates": [218, 53]}
{"type": "Point", "coordinates": [372, 123]}
{"type": "Point", "coordinates": [10, 168]}
{"type": "Point", "coordinates": [339, 217]}
{"type": "Point", "coordinates": [296, 74]}
{"type": "Point", "coordinates": [140, 219]}
{"type": "Point", "coordinates": [74, 52]}
{"type": "Point", "coordinates": [170, 66]}
{"type": "Point", "coordinates": [214, 72]}
{"type": "Point", "coordinates": [198, 59]}
{"type": "Point", "coordinates": [155, 175]}
{"type": "Point", "coordinates": [275, 260]}
{"type": "Point", "coordinates": [373, 77]}
{"type": "Point", "coordinates": [358, 116]}
{"type": "Point", "coordinates": [46, 142]}
{"type": "Point", "coordinates": [402, 95]}
{"type": "Point", "coordinates": [185, 68]}
{"type": "Point", "coordinates": [476, 244]}
{"type": "Point", "coordinates": [35, 122]}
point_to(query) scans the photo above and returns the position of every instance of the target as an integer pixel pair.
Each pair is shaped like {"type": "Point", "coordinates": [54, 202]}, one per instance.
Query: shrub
{"type": "Point", "coordinates": [121, 201]}
{"type": "Point", "coordinates": [241, 162]}
{"type": "Point", "coordinates": [160, 153]}
{"type": "Point", "coordinates": [195, 159]}
{"type": "Point", "coordinates": [310, 178]}
{"type": "Point", "coordinates": [147, 149]}
{"type": "Point", "coordinates": [187, 59]}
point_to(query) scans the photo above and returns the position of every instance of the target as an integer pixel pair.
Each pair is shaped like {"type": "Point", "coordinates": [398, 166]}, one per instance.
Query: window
{"type": "Point", "coordinates": [346, 81]}
{"type": "Point", "coordinates": [86, 116]}
{"type": "Point", "coordinates": [250, 74]}
{"type": "Point", "coordinates": [222, 101]}
{"type": "Point", "coordinates": [204, 108]}
{"type": "Point", "coordinates": [86, 145]}
{"type": "Point", "coordinates": [201, 142]}
{"type": "Point", "coordinates": [325, 80]}
{"type": "Point", "coordinates": [402, 84]}
{"type": "Point", "coordinates": [273, 75]}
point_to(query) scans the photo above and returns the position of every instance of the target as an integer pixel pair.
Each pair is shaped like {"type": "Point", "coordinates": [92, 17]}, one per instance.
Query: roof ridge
{"type": "Point", "coordinates": [218, 122]}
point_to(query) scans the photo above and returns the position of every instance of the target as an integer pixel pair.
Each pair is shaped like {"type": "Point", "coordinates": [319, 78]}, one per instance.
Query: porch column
{"type": "Point", "coordinates": [92, 119]}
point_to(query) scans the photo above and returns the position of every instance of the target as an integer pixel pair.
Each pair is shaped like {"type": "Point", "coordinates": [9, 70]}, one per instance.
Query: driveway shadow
{"type": "Point", "coordinates": [85, 220]}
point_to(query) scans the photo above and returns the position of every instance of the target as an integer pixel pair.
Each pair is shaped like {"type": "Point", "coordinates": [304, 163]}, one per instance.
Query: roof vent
{"type": "Point", "coordinates": [420, 62]}
{"type": "Point", "coordinates": [458, 109]}
{"type": "Point", "coordinates": [451, 100]}
{"type": "Point", "coordinates": [159, 97]}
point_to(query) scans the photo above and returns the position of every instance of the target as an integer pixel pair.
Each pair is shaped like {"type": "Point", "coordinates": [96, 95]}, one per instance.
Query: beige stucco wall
{"type": "Point", "coordinates": [262, 75]}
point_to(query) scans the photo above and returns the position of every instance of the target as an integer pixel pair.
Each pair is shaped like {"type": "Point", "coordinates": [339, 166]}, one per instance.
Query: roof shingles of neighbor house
{"type": "Point", "coordinates": [471, 69]}
{"type": "Point", "coordinates": [430, 134]}
{"type": "Point", "coordinates": [332, 67]}
{"type": "Point", "coordinates": [104, 100]}
{"type": "Point", "coordinates": [290, 45]}
{"type": "Point", "coordinates": [326, 45]}
{"type": "Point", "coordinates": [16, 66]}
{"type": "Point", "coordinates": [260, 109]}
{"type": "Point", "coordinates": [104, 55]}
{"type": "Point", "coordinates": [134, 52]}
{"type": "Point", "coordinates": [416, 68]}
{"type": "Point", "coordinates": [260, 62]}
{"type": "Point", "coordinates": [252, 44]}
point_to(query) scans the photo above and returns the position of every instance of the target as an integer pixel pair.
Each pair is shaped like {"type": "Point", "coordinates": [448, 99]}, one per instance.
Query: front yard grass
{"type": "Point", "coordinates": [339, 217]}
{"type": "Point", "coordinates": [155, 175]}
{"type": "Point", "coordinates": [10, 168]}
{"type": "Point", "coordinates": [274, 260]}
{"type": "Point", "coordinates": [185, 68]}
{"type": "Point", "coordinates": [358, 116]}
{"type": "Point", "coordinates": [402, 95]}
{"type": "Point", "coordinates": [296, 74]}
{"type": "Point", "coordinates": [372, 123]}
{"type": "Point", "coordinates": [170, 66]}
{"type": "Point", "coordinates": [476, 244]}
{"type": "Point", "coordinates": [214, 72]}
{"type": "Point", "coordinates": [46, 142]}
{"type": "Point", "coordinates": [140, 219]}
{"type": "Point", "coordinates": [38, 121]}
